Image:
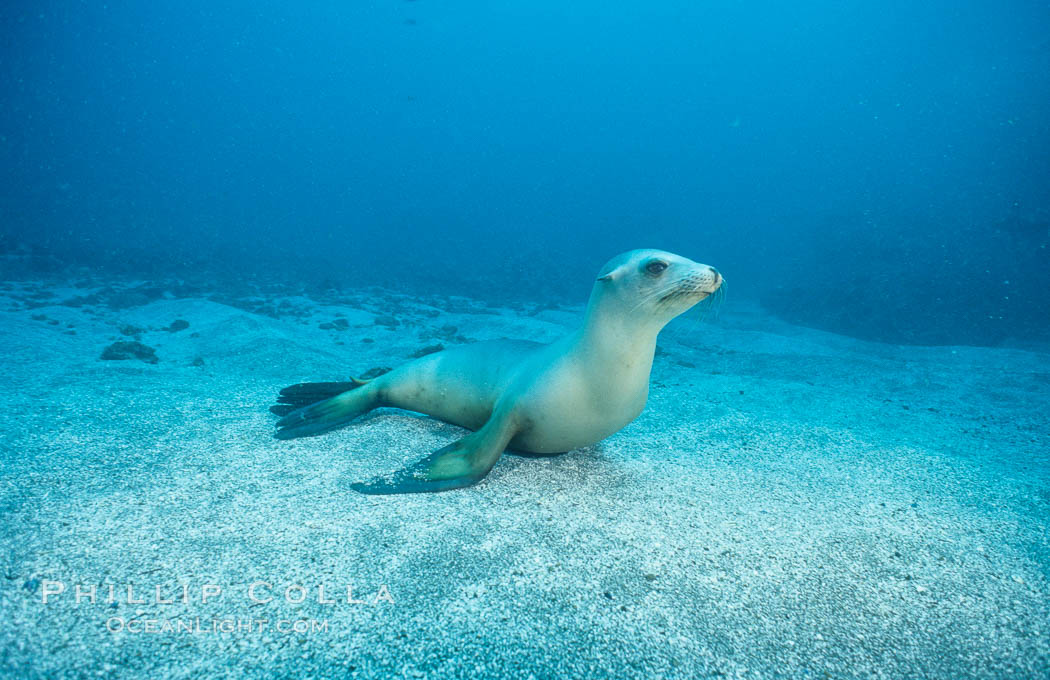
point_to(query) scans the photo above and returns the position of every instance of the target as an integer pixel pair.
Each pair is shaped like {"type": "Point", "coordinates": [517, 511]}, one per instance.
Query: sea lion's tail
{"type": "Point", "coordinates": [315, 408]}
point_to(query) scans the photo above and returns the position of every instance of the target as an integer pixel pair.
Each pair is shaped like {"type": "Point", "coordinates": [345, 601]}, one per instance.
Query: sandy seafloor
{"type": "Point", "coordinates": [791, 503]}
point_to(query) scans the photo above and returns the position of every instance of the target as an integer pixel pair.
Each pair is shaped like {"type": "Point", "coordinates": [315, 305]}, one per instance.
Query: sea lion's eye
{"type": "Point", "coordinates": [656, 267]}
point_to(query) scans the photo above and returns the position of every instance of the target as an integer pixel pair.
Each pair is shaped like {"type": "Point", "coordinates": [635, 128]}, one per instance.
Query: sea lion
{"type": "Point", "coordinates": [528, 396]}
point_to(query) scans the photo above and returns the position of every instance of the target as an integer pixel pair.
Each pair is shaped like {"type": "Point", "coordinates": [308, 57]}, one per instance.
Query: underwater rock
{"type": "Point", "coordinates": [336, 325]}
{"type": "Point", "coordinates": [374, 372]}
{"type": "Point", "coordinates": [117, 299]}
{"type": "Point", "coordinates": [82, 300]}
{"type": "Point", "coordinates": [178, 325]}
{"type": "Point", "coordinates": [448, 333]}
{"type": "Point", "coordinates": [458, 305]}
{"type": "Point", "coordinates": [429, 349]}
{"type": "Point", "coordinates": [129, 349]}
{"type": "Point", "coordinates": [127, 299]}
{"type": "Point", "coordinates": [268, 309]}
{"type": "Point", "coordinates": [858, 265]}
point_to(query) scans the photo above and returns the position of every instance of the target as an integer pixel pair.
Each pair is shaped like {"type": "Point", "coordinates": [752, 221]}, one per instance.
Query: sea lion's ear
{"type": "Point", "coordinates": [614, 274]}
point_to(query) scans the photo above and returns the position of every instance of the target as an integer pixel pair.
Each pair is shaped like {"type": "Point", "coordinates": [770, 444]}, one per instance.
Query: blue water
{"type": "Point", "coordinates": [879, 170]}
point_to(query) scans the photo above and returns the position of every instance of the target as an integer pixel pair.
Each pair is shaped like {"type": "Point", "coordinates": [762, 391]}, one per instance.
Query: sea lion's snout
{"type": "Point", "coordinates": [718, 277]}
{"type": "Point", "coordinates": [711, 280]}
{"type": "Point", "coordinates": [703, 280]}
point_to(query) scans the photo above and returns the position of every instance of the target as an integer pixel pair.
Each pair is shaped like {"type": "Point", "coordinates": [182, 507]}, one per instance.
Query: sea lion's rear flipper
{"type": "Point", "coordinates": [303, 394]}
{"type": "Point", "coordinates": [460, 464]}
{"type": "Point", "coordinates": [326, 415]}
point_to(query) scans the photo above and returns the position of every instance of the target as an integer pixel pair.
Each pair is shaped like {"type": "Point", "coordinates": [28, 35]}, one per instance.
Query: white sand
{"type": "Point", "coordinates": [794, 504]}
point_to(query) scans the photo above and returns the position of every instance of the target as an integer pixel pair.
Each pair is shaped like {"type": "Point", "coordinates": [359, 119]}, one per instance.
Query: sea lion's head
{"type": "Point", "coordinates": [654, 283]}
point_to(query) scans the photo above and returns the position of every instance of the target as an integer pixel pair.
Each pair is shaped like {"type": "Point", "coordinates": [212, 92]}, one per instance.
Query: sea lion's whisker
{"type": "Point", "coordinates": [649, 297]}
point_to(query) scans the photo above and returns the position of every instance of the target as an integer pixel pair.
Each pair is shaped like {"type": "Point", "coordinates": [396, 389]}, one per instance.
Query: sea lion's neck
{"type": "Point", "coordinates": [624, 342]}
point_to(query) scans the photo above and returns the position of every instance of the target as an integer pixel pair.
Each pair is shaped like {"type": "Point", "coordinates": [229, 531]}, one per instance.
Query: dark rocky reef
{"type": "Point", "coordinates": [983, 285]}
{"type": "Point", "coordinates": [125, 350]}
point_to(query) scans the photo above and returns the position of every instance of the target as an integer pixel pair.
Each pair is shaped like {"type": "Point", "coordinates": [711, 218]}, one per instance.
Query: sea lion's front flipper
{"type": "Point", "coordinates": [460, 464]}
